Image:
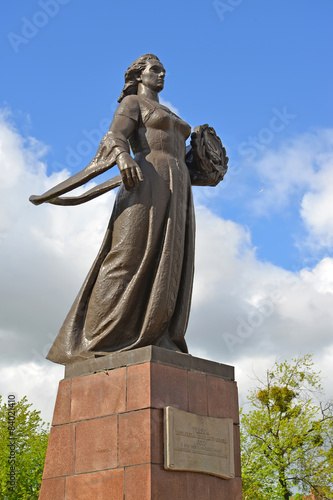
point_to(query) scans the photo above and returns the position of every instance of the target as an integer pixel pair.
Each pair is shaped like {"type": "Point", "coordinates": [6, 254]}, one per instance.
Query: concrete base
{"type": "Point", "coordinates": [106, 439]}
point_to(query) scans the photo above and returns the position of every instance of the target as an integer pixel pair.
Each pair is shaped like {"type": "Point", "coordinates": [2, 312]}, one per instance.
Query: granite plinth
{"type": "Point", "coordinates": [151, 354]}
{"type": "Point", "coordinates": [107, 438]}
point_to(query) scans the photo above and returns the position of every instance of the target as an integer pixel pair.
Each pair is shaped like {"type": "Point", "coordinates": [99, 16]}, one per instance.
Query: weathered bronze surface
{"type": "Point", "coordinates": [138, 291]}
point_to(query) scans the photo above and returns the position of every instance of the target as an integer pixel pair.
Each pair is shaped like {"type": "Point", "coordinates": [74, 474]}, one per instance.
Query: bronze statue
{"type": "Point", "coordinates": [138, 291]}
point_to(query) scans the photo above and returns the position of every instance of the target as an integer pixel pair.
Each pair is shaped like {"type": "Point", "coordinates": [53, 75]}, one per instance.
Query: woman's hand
{"type": "Point", "coordinates": [130, 171]}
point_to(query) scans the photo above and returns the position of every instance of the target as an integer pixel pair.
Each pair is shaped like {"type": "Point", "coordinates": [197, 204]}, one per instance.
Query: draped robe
{"type": "Point", "coordinates": [138, 290]}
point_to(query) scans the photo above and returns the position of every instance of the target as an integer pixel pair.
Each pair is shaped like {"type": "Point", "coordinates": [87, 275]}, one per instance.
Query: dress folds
{"type": "Point", "coordinates": [138, 290]}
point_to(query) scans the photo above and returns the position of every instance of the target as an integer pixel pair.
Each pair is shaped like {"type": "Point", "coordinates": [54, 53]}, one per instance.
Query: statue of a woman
{"type": "Point", "coordinates": [138, 291]}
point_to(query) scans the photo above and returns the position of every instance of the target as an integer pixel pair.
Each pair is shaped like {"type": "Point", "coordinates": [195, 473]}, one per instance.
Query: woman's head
{"type": "Point", "coordinates": [133, 74]}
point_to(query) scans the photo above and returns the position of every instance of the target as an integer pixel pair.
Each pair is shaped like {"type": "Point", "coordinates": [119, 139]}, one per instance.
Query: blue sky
{"type": "Point", "coordinates": [229, 65]}
{"type": "Point", "coordinates": [259, 72]}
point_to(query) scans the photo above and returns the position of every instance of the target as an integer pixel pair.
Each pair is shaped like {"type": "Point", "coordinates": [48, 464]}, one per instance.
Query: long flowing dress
{"type": "Point", "coordinates": [138, 290]}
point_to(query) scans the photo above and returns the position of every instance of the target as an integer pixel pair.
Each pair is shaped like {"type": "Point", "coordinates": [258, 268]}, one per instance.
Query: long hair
{"type": "Point", "coordinates": [133, 73]}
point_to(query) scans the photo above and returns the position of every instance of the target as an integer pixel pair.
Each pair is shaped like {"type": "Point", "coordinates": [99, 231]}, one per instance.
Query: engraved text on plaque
{"type": "Point", "coordinates": [198, 444]}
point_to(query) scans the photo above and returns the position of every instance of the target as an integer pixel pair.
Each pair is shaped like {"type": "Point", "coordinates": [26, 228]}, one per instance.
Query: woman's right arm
{"type": "Point", "coordinates": [113, 149]}
{"type": "Point", "coordinates": [123, 127]}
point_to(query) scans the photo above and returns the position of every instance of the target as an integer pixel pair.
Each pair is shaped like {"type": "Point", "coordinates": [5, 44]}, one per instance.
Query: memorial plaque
{"type": "Point", "coordinates": [198, 444]}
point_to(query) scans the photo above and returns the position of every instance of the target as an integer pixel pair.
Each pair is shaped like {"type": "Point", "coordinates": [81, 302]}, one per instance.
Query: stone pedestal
{"type": "Point", "coordinates": [107, 438]}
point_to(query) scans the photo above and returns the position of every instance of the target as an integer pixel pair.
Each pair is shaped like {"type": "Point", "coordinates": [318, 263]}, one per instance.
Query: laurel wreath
{"type": "Point", "coordinates": [206, 159]}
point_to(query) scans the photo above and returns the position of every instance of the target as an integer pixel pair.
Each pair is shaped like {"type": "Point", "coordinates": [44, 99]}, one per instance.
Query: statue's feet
{"type": "Point", "coordinates": [167, 343]}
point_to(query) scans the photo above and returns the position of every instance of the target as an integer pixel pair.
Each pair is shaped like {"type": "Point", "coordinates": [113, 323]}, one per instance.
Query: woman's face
{"type": "Point", "coordinates": [153, 75]}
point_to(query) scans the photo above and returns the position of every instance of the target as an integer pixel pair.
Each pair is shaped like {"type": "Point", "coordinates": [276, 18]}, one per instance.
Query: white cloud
{"type": "Point", "coordinates": [300, 173]}
{"type": "Point", "coordinates": [249, 305]}
{"type": "Point", "coordinates": [282, 173]}
{"type": "Point", "coordinates": [46, 250]}
{"type": "Point", "coordinates": [321, 276]}
{"type": "Point", "coordinates": [36, 381]}
{"type": "Point", "coordinates": [245, 312]}
{"type": "Point", "coordinates": [317, 204]}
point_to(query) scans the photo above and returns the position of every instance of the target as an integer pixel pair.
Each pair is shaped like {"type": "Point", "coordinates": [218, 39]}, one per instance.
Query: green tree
{"type": "Point", "coordinates": [287, 435]}
{"type": "Point", "coordinates": [23, 444]}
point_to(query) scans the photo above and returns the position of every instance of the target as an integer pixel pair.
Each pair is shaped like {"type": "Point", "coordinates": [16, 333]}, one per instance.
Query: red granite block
{"type": "Point", "coordinates": [166, 485]}
{"type": "Point", "coordinates": [237, 490]}
{"type": "Point", "coordinates": [96, 444]}
{"type": "Point", "coordinates": [168, 387]}
{"type": "Point", "coordinates": [225, 489]}
{"type": "Point", "coordinates": [138, 482]}
{"type": "Point", "coordinates": [222, 398]}
{"type": "Point", "coordinates": [137, 432]}
{"type": "Point", "coordinates": [98, 395]}
{"type": "Point", "coordinates": [52, 489]}
{"type": "Point", "coordinates": [62, 409]}
{"type": "Point", "coordinates": [138, 387]}
{"type": "Point", "coordinates": [103, 485]}
{"type": "Point", "coordinates": [197, 393]}
{"type": "Point", "coordinates": [60, 452]}
{"type": "Point", "coordinates": [140, 438]}
{"type": "Point", "coordinates": [197, 486]}
{"type": "Point", "coordinates": [238, 471]}
{"type": "Point", "coordinates": [157, 436]}
{"type": "Point", "coordinates": [134, 438]}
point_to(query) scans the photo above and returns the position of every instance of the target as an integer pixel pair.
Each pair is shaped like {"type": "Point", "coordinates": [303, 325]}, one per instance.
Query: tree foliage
{"type": "Point", "coordinates": [23, 444]}
{"type": "Point", "coordinates": [287, 435]}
